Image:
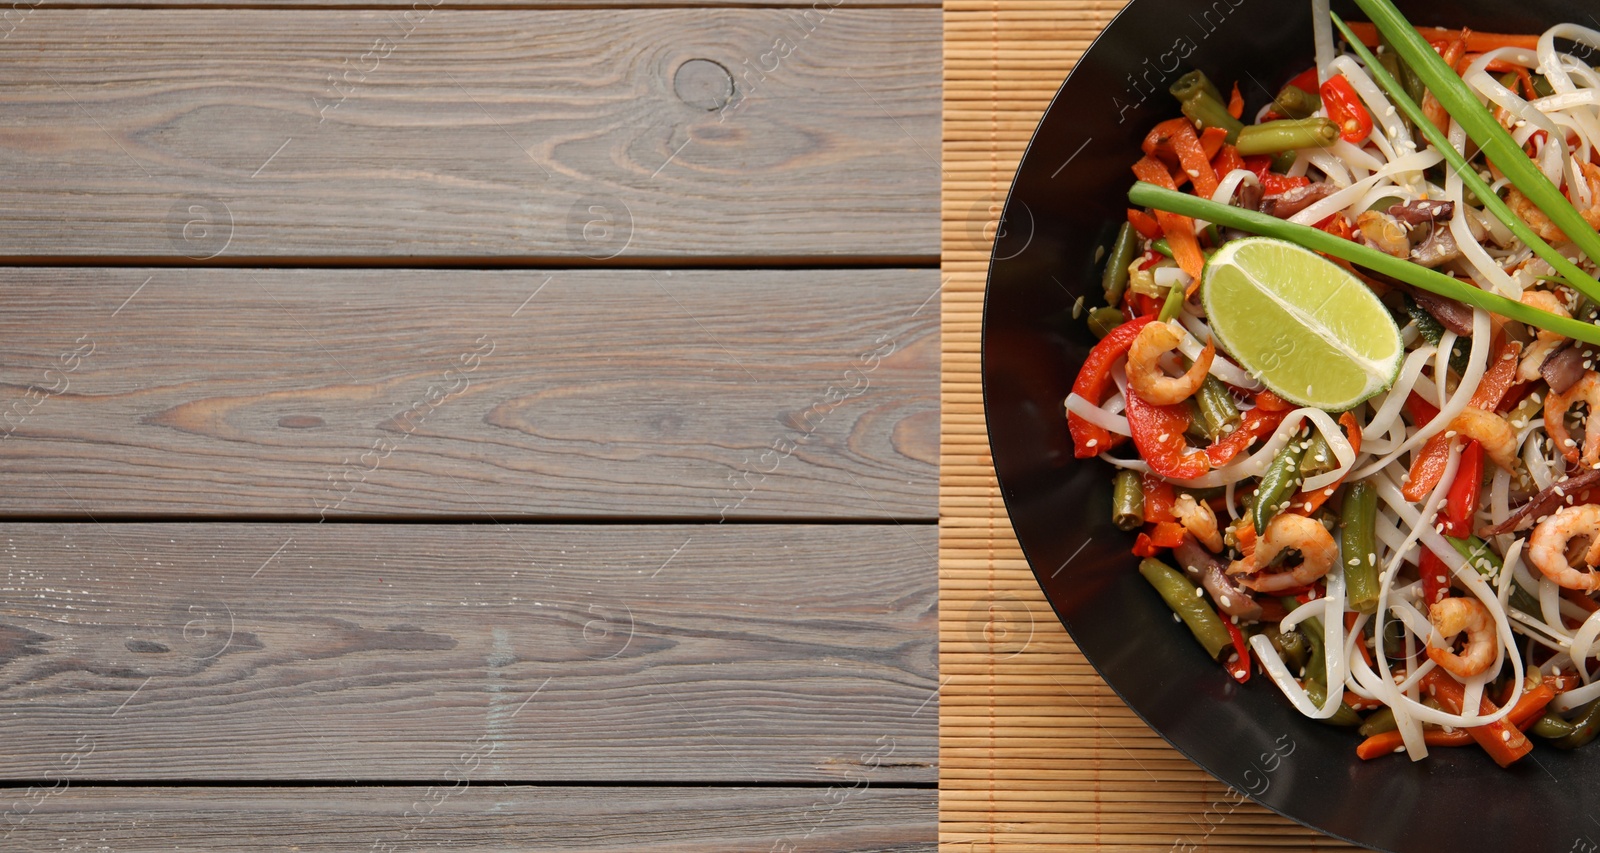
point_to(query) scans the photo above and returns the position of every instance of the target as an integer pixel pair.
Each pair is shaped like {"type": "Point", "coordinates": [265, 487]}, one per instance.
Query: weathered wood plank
{"type": "Point", "coordinates": [475, 818]}
{"type": "Point", "coordinates": [451, 134]}
{"type": "Point", "coordinates": [26, 7]}
{"type": "Point", "coordinates": [561, 394]}
{"type": "Point", "coordinates": [549, 653]}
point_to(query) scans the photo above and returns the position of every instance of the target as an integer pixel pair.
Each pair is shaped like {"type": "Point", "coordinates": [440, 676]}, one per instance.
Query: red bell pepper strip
{"type": "Point", "coordinates": [1504, 742]}
{"type": "Point", "coordinates": [1308, 79]}
{"type": "Point", "coordinates": [1434, 456]}
{"type": "Point", "coordinates": [1092, 383]}
{"type": "Point", "coordinates": [1239, 666]}
{"type": "Point", "coordinates": [1167, 534]}
{"type": "Point", "coordinates": [1273, 183]}
{"type": "Point", "coordinates": [1143, 547]}
{"type": "Point", "coordinates": [1257, 423]}
{"type": "Point", "coordinates": [1460, 504]}
{"type": "Point", "coordinates": [1158, 434]}
{"type": "Point", "coordinates": [1344, 106]}
{"type": "Point", "coordinates": [1159, 498]}
{"type": "Point", "coordinates": [1179, 230]}
{"type": "Point", "coordinates": [1227, 160]}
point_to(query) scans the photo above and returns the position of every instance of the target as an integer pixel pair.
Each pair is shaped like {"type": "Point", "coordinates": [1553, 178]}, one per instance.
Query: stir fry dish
{"type": "Point", "coordinates": [1346, 376]}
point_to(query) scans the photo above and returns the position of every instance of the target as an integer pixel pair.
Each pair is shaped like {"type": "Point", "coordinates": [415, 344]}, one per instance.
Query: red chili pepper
{"type": "Point", "coordinates": [1158, 434]}
{"type": "Point", "coordinates": [1239, 668]}
{"type": "Point", "coordinates": [1344, 106]}
{"type": "Point", "coordinates": [1092, 382]}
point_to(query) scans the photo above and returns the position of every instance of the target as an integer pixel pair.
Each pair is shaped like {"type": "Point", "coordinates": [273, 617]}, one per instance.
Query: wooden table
{"type": "Point", "coordinates": [501, 426]}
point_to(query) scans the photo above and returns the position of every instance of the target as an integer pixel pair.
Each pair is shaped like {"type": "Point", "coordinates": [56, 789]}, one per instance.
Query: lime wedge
{"type": "Point", "coordinates": [1301, 324]}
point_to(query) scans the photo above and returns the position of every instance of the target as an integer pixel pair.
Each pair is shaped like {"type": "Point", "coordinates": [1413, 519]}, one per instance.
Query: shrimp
{"type": "Point", "coordinates": [1317, 550]}
{"type": "Point", "coordinates": [1549, 544]}
{"type": "Point", "coordinates": [1450, 617]}
{"type": "Point", "coordinates": [1152, 383]}
{"type": "Point", "coordinates": [1546, 341]}
{"type": "Point", "coordinates": [1198, 518]}
{"type": "Point", "coordinates": [1497, 436]}
{"type": "Point", "coordinates": [1587, 390]}
{"type": "Point", "coordinates": [1529, 213]}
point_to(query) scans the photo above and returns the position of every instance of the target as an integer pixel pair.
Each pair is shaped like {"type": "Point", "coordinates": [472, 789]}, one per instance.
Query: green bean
{"type": "Point", "coordinates": [1286, 134]}
{"type": "Point", "coordinates": [1551, 726]}
{"type": "Point", "coordinates": [1585, 727]}
{"type": "Point", "coordinates": [1174, 303]}
{"type": "Point", "coordinates": [1378, 722]}
{"type": "Point", "coordinates": [1127, 501]}
{"type": "Point", "coordinates": [1181, 596]}
{"type": "Point", "coordinates": [1115, 279]}
{"type": "Point", "coordinates": [1278, 483]}
{"type": "Point", "coordinates": [1203, 105]}
{"type": "Point", "coordinates": [1358, 546]}
{"type": "Point", "coordinates": [1196, 80]}
{"type": "Point", "coordinates": [1217, 407]}
{"type": "Point", "coordinates": [1102, 320]}
{"type": "Point", "coordinates": [1346, 716]}
{"type": "Point", "coordinates": [1409, 81]}
{"type": "Point", "coordinates": [1541, 84]}
{"type": "Point", "coordinates": [1295, 102]}
{"type": "Point", "coordinates": [1292, 647]}
{"type": "Point", "coordinates": [1319, 458]}
{"type": "Point", "coordinates": [1479, 556]}
{"type": "Point", "coordinates": [1161, 245]}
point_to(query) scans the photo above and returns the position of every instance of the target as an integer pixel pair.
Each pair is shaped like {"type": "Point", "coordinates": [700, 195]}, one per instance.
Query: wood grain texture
{"type": "Point", "coordinates": [246, 652]}
{"type": "Point", "coordinates": [508, 395]}
{"type": "Point", "coordinates": [1036, 752]}
{"type": "Point", "coordinates": [477, 818]}
{"type": "Point", "coordinates": [452, 135]}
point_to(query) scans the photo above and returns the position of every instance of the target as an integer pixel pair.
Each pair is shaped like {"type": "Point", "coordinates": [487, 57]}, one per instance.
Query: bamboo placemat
{"type": "Point", "coordinates": [1036, 752]}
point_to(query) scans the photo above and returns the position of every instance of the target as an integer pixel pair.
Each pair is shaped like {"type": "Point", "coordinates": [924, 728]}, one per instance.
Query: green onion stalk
{"type": "Point", "coordinates": [1481, 127]}
{"type": "Point", "coordinates": [1470, 179]}
{"type": "Point", "coordinates": [1172, 201]}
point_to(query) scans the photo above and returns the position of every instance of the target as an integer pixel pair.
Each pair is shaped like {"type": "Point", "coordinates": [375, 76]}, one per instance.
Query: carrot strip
{"type": "Point", "coordinates": [1523, 715]}
{"type": "Point", "coordinates": [1174, 141]}
{"type": "Point", "coordinates": [1144, 223]}
{"type": "Point", "coordinates": [1388, 743]}
{"type": "Point", "coordinates": [1361, 646]}
{"type": "Point", "coordinates": [1212, 139]}
{"type": "Point", "coordinates": [1178, 229]}
{"type": "Point", "coordinates": [1503, 741]}
{"type": "Point", "coordinates": [1476, 42]}
{"type": "Point", "coordinates": [1236, 102]}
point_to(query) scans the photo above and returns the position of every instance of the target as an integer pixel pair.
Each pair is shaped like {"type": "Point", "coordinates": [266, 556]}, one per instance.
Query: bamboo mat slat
{"type": "Point", "coordinates": [1036, 753]}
